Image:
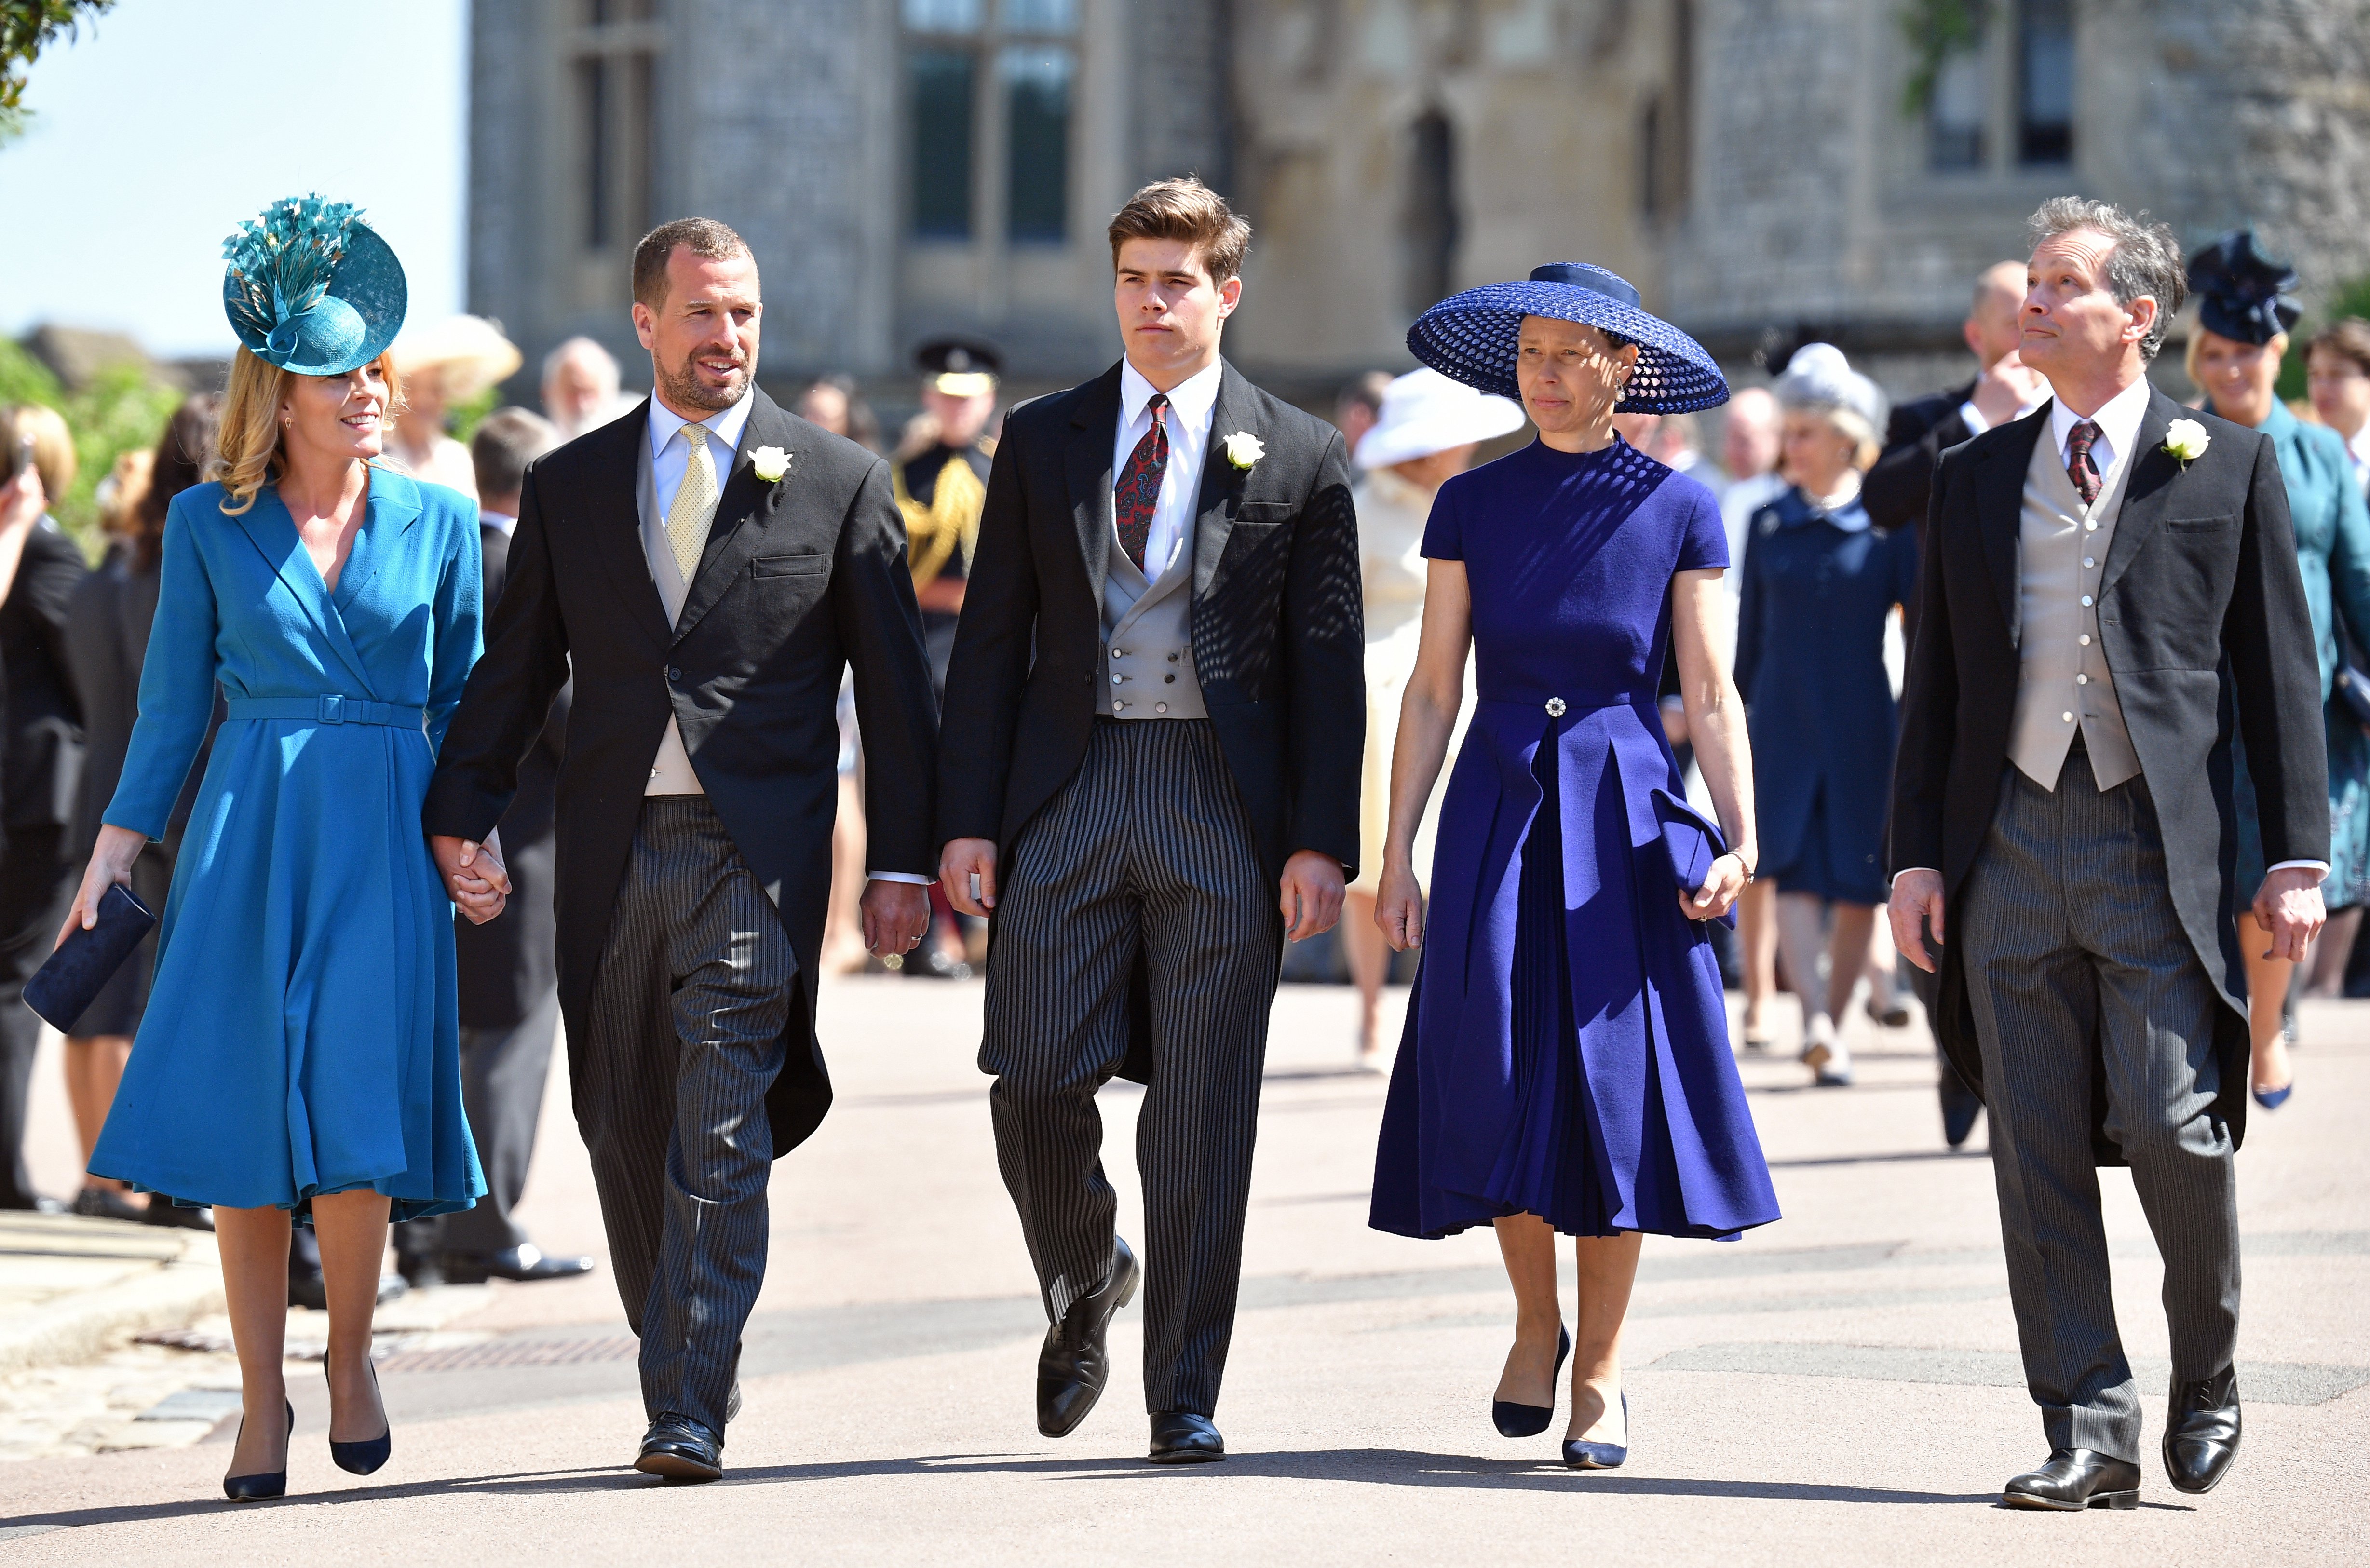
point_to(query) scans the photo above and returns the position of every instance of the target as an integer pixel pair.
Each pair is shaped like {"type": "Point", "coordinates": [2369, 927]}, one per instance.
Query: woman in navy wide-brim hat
{"type": "Point", "coordinates": [1565, 1066]}
{"type": "Point", "coordinates": [300, 1057]}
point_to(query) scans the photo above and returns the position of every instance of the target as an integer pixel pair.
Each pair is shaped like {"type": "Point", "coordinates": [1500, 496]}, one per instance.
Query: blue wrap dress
{"type": "Point", "coordinates": [2332, 542]}
{"type": "Point", "coordinates": [302, 1036]}
{"type": "Point", "coordinates": [1566, 1051]}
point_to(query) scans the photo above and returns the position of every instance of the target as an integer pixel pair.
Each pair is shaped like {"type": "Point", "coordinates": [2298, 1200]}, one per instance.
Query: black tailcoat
{"type": "Point", "coordinates": [800, 578]}
{"type": "Point", "coordinates": [2201, 612]}
{"type": "Point", "coordinates": [1278, 622]}
{"type": "Point", "coordinates": [1896, 491]}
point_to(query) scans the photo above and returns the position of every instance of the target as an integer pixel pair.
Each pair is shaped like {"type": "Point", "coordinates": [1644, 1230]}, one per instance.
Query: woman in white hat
{"type": "Point", "coordinates": [449, 362]}
{"type": "Point", "coordinates": [1820, 585]}
{"type": "Point", "coordinates": [1423, 437]}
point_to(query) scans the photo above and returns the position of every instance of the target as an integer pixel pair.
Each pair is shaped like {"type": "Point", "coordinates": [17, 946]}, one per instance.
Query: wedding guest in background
{"type": "Point", "coordinates": [1566, 1065]}
{"type": "Point", "coordinates": [2245, 308]}
{"type": "Point", "coordinates": [1359, 404]}
{"type": "Point", "coordinates": [106, 643]}
{"type": "Point", "coordinates": [1750, 439]}
{"type": "Point", "coordinates": [2337, 378]}
{"type": "Point", "coordinates": [1429, 428]}
{"type": "Point", "coordinates": [299, 1061]}
{"type": "Point", "coordinates": [1921, 429]}
{"type": "Point", "coordinates": [509, 980]}
{"type": "Point", "coordinates": [579, 388]}
{"type": "Point", "coordinates": [441, 366]}
{"type": "Point", "coordinates": [833, 403]}
{"type": "Point", "coordinates": [40, 749]}
{"type": "Point", "coordinates": [1820, 583]}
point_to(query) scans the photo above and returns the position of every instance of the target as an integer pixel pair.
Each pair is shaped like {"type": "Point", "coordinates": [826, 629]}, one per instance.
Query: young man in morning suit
{"type": "Point", "coordinates": [1154, 713]}
{"type": "Point", "coordinates": [2103, 580]}
{"type": "Point", "coordinates": [709, 564]}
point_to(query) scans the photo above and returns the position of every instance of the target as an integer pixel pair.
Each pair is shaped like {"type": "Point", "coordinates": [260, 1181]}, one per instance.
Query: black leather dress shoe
{"type": "Point", "coordinates": [526, 1262]}
{"type": "Point", "coordinates": [1180, 1438]}
{"type": "Point", "coordinates": [2075, 1479]}
{"type": "Point", "coordinates": [1076, 1362]}
{"type": "Point", "coordinates": [2201, 1431]}
{"type": "Point", "coordinates": [162, 1210]}
{"type": "Point", "coordinates": [681, 1449]}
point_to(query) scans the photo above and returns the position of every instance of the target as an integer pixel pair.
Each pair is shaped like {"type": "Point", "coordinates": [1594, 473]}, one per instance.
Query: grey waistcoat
{"type": "Point", "coordinates": [1146, 663]}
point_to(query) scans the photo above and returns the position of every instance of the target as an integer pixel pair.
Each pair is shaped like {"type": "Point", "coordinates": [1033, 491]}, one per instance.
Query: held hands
{"type": "Point", "coordinates": [1310, 893]}
{"type": "Point", "coordinates": [1917, 903]}
{"type": "Point", "coordinates": [896, 917]}
{"type": "Point", "coordinates": [110, 863]}
{"type": "Point", "coordinates": [2288, 905]}
{"type": "Point", "coordinates": [1720, 892]}
{"type": "Point", "coordinates": [473, 874]}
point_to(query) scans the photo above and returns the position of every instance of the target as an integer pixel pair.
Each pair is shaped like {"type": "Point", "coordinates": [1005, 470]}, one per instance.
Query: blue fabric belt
{"type": "Point", "coordinates": [329, 708]}
{"type": "Point", "coordinates": [1564, 700]}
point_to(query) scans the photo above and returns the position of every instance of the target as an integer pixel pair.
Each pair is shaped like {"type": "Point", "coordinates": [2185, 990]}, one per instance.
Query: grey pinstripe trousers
{"type": "Point", "coordinates": [2080, 975]}
{"type": "Point", "coordinates": [686, 1037]}
{"type": "Point", "coordinates": [1145, 856]}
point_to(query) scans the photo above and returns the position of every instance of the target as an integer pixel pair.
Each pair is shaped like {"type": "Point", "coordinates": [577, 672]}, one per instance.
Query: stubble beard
{"type": "Point", "coordinates": [683, 386]}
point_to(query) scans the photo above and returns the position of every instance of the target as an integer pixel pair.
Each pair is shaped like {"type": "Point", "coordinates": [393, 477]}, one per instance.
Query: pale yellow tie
{"type": "Point", "coordinates": [695, 505]}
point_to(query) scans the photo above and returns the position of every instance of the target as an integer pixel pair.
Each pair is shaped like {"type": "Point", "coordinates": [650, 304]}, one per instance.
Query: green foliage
{"type": "Point", "coordinates": [122, 408]}
{"type": "Point", "coordinates": [27, 26]}
{"type": "Point", "coordinates": [2347, 299]}
{"type": "Point", "coordinates": [1936, 30]}
{"type": "Point", "coordinates": [463, 418]}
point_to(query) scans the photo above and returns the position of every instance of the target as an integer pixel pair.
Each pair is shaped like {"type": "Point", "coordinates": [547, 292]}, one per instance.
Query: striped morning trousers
{"type": "Point", "coordinates": [2084, 980]}
{"type": "Point", "coordinates": [1144, 859]}
{"type": "Point", "coordinates": [686, 1020]}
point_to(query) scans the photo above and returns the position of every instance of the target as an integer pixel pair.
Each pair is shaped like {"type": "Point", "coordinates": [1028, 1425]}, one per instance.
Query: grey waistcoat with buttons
{"type": "Point", "coordinates": [1146, 670]}
{"type": "Point", "coordinates": [2064, 680]}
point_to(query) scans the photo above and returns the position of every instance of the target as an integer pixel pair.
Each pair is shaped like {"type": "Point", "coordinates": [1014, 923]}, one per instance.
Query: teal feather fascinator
{"type": "Point", "coordinates": [311, 288]}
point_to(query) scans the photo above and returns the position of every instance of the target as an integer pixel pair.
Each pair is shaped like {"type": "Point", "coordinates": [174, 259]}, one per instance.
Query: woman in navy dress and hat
{"type": "Point", "coordinates": [2245, 308]}
{"type": "Point", "coordinates": [1566, 1065]}
{"type": "Point", "coordinates": [300, 1055]}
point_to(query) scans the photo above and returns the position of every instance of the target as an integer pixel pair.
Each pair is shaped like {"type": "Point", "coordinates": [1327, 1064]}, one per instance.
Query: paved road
{"type": "Point", "coordinates": [1838, 1388]}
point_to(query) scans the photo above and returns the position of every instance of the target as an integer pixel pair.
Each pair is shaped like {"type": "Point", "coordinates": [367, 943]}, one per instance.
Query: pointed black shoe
{"type": "Point", "coordinates": [362, 1458]}
{"type": "Point", "coordinates": [1180, 1438]}
{"type": "Point", "coordinates": [1075, 1363]}
{"type": "Point", "coordinates": [2075, 1479]}
{"type": "Point", "coordinates": [681, 1449]}
{"type": "Point", "coordinates": [1528, 1421]}
{"type": "Point", "coordinates": [261, 1486]}
{"type": "Point", "coordinates": [2200, 1432]}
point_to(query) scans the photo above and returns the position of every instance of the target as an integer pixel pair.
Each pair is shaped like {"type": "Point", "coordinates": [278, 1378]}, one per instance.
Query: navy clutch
{"type": "Point", "coordinates": [64, 988]}
{"type": "Point", "coordinates": [1692, 842]}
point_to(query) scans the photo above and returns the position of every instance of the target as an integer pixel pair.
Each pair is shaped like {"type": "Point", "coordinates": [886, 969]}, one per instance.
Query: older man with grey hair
{"type": "Point", "coordinates": [2103, 580]}
{"type": "Point", "coordinates": [581, 388]}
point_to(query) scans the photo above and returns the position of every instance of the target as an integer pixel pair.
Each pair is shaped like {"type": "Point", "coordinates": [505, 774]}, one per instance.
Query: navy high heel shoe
{"type": "Point", "coordinates": [360, 1459]}
{"type": "Point", "coordinates": [1528, 1421]}
{"type": "Point", "coordinates": [1580, 1454]}
{"type": "Point", "coordinates": [2273, 1099]}
{"type": "Point", "coordinates": [261, 1486]}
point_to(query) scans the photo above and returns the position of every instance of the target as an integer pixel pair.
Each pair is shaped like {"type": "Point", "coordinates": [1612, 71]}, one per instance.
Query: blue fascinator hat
{"type": "Point", "coordinates": [311, 288]}
{"type": "Point", "coordinates": [1470, 337]}
{"type": "Point", "coordinates": [2242, 294]}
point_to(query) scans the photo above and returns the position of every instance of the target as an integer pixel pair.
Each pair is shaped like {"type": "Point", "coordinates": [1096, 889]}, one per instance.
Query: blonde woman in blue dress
{"type": "Point", "coordinates": [299, 1060]}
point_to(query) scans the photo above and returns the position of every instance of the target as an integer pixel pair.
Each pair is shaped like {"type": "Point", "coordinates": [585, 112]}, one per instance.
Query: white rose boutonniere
{"type": "Point", "coordinates": [770, 463]}
{"type": "Point", "coordinates": [2186, 439]}
{"type": "Point", "coordinates": [1243, 449]}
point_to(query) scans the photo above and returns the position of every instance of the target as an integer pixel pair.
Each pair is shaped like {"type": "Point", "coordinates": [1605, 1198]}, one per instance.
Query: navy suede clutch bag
{"type": "Point", "coordinates": [1693, 841]}
{"type": "Point", "coordinates": [62, 988]}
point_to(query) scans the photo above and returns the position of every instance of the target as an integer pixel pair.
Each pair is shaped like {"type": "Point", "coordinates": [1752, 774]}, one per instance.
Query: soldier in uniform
{"type": "Point", "coordinates": [941, 481]}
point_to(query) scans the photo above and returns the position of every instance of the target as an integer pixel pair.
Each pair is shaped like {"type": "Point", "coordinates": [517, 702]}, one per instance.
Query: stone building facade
{"type": "Point", "coordinates": [906, 167]}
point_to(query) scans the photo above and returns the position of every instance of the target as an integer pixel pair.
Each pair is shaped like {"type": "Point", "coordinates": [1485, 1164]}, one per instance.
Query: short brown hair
{"type": "Point", "coordinates": [1188, 210]}
{"type": "Point", "coordinates": [704, 238]}
{"type": "Point", "coordinates": [2349, 336]}
{"type": "Point", "coordinates": [2146, 258]}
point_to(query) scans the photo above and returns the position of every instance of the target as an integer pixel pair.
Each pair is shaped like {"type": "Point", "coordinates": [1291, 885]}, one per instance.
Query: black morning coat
{"type": "Point", "coordinates": [1897, 490]}
{"type": "Point", "coordinates": [800, 578]}
{"type": "Point", "coordinates": [2200, 609]}
{"type": "Point", "coordinates": [1278, 622]}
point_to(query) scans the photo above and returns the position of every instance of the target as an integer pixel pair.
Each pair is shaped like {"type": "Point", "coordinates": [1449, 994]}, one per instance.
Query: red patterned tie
{"type": "Point", "coordinates": [1137, 495]}
{"type": "Point", "coordinates": [2078, 467]}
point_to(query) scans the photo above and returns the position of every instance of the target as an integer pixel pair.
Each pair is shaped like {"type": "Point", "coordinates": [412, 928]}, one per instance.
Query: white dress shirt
{"type": "Point", "coordinates": [1192, 403]}
{"type": "Point", "coordinates": [2118, 419]}
{"type": "Point", "coordinates": [501, 523]}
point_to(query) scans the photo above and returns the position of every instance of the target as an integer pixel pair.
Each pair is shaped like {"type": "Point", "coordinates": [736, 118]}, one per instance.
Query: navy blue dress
{"type": "Point", "coordinates": [1566, 1051]}
{"type": "Point", "coordinates": [1810, 664]}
